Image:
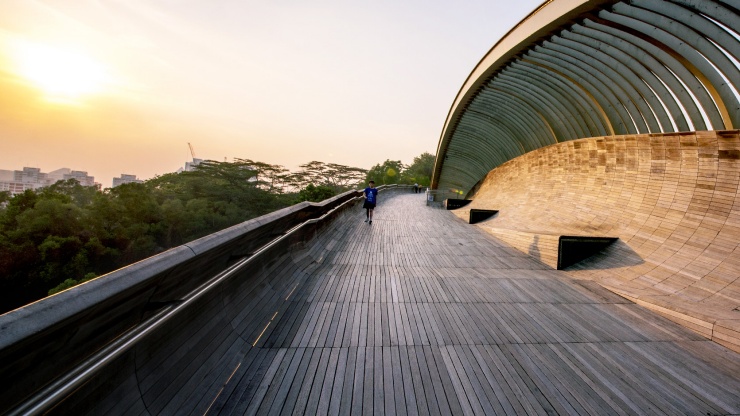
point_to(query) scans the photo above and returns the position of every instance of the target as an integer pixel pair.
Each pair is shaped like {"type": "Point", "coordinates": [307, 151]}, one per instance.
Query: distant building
{"type": "Point", "coordinates": [190, 166]}
{"type": "Point", "coordinates": [126, 179]}
{"type": "Point", "coordinates": [17, 181]}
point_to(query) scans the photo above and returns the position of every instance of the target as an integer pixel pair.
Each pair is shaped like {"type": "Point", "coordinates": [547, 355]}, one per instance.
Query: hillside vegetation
{"type": "Point", "coordinates": [59, 236]}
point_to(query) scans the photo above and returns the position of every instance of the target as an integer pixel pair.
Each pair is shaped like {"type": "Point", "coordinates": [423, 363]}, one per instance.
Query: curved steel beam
{"type": "Point", "coordinates": [672, 87]}
{"type": "Point", "coordinates": [583, 68]}
{"type": "Point", "coordinates": [588, 101]}
{"type": "Point", "coordinates": [522, 116]}
{"type": "Point", "coordinates": [620, 121]}
{"type": "Point", "coordinates": [690, 57]}
{"type": "Point", "coordinates": [623, 80]}
{"type": "Point", "coordinates": [568, 100]}
{"type": "Point", "coordinates": [621, 98]}
{"type": "Point", "coordinates": [658, 51]}
{"type": "Point", "coordinates": [660, 100]}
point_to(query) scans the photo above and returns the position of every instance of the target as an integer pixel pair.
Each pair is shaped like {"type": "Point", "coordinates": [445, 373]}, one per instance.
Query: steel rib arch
{"type": "Point", "coordinates": [598, 67]}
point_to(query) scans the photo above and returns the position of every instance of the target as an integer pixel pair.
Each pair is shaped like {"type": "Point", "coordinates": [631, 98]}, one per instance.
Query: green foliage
{"type": "Point", "coordinates": [338, 178]}
{"type": "Point", "coordinates": [420, 171]}
{"type": "Point", "coordinates": [65, 234]}
{"type": "Point", "coordinates": [56, 237]}
{"type": "Point", "coordinates": [393, 171]}
{"type": "Point", "coordinates": [315, 193]}
{"type": "Point", "coordinates": [386, 173]}
{"type": "Point", "coordinates": [68, 283]}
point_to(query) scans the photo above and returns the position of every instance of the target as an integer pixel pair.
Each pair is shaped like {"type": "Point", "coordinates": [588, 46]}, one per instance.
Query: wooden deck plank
{"type": "Point", "coordinates": [270, 396]}
{"type": "Point", "coordinates": [409, 395]}
{"type": "Point", "coordinates": [322, 382]}
{"type": "Point", "coordinates": [265, 382]}
{"type": "Point", "coordinates": [404, 318]}
{"type": "Point", "coordinates": [292, 385]}
{"type": "Point", "coordinates": [300, 398]}
{"type": "Point", "coordinates": [346, 405]}
{"type": "Point", "coordinates": [334, 401]}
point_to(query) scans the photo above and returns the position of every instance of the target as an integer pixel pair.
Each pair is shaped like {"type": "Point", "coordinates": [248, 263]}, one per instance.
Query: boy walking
{"type": "Point", "coordinates": [371, 197]}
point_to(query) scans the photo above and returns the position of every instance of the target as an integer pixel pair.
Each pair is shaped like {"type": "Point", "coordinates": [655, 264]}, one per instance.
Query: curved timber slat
{"type": "Point", "coordinates": [672, 200]}
{"type": "Point", "coordinates": [576, 69]}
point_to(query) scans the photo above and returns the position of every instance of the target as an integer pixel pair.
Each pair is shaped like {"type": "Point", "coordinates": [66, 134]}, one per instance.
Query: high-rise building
{"type": "Point", "coordinates": [17, 181]}
{"type": "Point", "coordinates": [126, 179]}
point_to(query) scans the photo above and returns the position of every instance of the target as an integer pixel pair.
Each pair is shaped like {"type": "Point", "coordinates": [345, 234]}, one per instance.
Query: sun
{"type": "Point", "coordinates": [62, 74]}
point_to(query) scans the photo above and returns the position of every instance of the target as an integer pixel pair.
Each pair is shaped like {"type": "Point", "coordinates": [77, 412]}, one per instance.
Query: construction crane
{"type": "Point", "coordinates": [192, 152]}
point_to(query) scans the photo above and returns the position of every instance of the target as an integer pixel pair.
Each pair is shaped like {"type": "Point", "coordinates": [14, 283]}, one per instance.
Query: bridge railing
{"type": "Point", "coordinates": [51, 347]}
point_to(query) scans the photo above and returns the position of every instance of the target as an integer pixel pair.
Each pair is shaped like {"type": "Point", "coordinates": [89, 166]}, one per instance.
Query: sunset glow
{"type": "Point", "coordinates": [62, 74]}
{"type": "Point", "coordinates": [112, 87]}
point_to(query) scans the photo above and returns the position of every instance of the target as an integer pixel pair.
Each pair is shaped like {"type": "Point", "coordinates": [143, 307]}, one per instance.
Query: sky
{"type": "Point", "coordinates": [122, 86]}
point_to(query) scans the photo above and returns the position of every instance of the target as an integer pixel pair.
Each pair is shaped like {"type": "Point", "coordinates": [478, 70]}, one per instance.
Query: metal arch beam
{"type": "Point", "coordinates": [478, 149]}
{"type": "Point", "coordinates": [581, 112]}
{"type": "Point", "coordinates": [620, 121]}
{"type": "Point", "coordinates": [533, 28]}
{"type": "Point", "coordinates": [554, 115]}
{"type": "Point", "coordinates": [475, 125]}
{"type": "Point", "coordinates": [658, 103]}
{"type": "Point", "coordinates": [661, 73]}
{"type": "Point", "coordinates": [478, 155]}
{"type": "Point", "coordinates": [453, 175]}
{"type": "Point", "coordinates": [481, 147]}
{"type": "Point", "coordinates": [689, 36]}
{"type": "Point", "coordinates": [598, 112]}
{"type": "Point", "coordinates": [506, 127]}
{"type": "Point", "coordinates": [512, 126]}
{"type": "Point", "coordinates": [563, 130]}
{"type": "Point", "coordinates": [465, 149]}
{"type": "Point", "coordinates": [510, 98]}
{"type": "Point", "coordinates": [658, 51]}
{"type": "Point", "coordinates": [485, 128]}
{"type": "Point", "coordinates": [580, 65]}
{"type": "Point", "coordinates": [695, 21]}
{"type": "Point", "coordinates": [629, 109]}
{"type": "Point", "coordinates": [695, 62]}
{"type": "Point", "coordinates": [724, 14]}
{"type": "Point", "coordinates": [489, 100]}
{"type": "Point", "coordinates": [516, 111]}
{"type": "Point", "coordinates": [731, 4]}
{"type": "Point", "coordinates": [596, 118]}
{"type": "Point", "coordinates": [642, 112]}
{"type": "Point", "coordinates": [475, 122]}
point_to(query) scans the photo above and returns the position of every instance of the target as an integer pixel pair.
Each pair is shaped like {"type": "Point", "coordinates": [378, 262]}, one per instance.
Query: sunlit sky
{"type": "Point", "coordinates": [115, 87]}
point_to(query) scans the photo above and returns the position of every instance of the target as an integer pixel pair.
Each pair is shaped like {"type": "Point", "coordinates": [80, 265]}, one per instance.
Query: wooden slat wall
{"type": "Point", "coordinates": [672, 199]}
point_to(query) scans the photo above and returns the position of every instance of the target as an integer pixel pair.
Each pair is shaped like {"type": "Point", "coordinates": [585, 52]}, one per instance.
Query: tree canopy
{"type": "Point", "coordinates": [395, 172]}
{"type": "Point", "coordinates": [59, 236]}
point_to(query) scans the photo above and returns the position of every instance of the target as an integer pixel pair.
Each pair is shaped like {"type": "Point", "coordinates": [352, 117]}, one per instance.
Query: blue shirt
{"type": "Point", "coordinates": [370, 193]}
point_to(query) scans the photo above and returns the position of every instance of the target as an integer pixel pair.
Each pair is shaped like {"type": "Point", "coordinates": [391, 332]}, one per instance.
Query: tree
{"type": "Point", "coordinates": [389, 172]}
{"type": "Point", "coordinates": [59, 236]}
{"type": "Point", "coordinates": [420, 171]}
{"type": "Point", "coordinates": [332, 175]}
{"type": "Point", "coordinates": [271, 178]}
{"type": "Point", "coordinates": [315, 193]}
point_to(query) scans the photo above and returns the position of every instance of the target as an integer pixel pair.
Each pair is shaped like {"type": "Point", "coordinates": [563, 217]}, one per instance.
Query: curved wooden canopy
{"type": "Point", "coordinates": [574, 69]}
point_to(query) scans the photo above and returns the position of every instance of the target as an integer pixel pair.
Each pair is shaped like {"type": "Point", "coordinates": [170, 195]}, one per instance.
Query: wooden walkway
{"type": "Point", "coordinates": [420, 313]}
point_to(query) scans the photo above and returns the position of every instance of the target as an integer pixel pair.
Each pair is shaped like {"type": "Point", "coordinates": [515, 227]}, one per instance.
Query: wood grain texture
{"type": "Point", "coordinates": [422, 314]}
{"type": "Point", "coordinates": [672, 199]}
